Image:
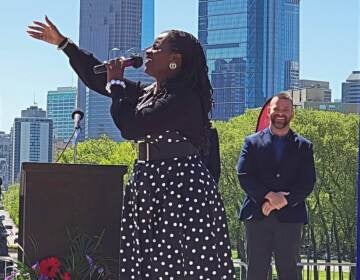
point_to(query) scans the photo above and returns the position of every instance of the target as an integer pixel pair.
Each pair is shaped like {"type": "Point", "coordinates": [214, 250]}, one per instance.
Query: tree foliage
{"type": "Point", "coordinates": [103, 151]}
{"type": "Point", "coordinates": [11, 202]}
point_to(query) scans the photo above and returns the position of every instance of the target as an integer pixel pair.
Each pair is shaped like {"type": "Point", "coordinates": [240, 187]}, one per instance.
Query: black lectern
{"type": "Point", "coordinates": [54, 197]}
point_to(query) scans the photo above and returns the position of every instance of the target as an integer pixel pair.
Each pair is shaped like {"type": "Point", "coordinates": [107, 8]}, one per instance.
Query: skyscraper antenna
{"type": "Point", "coordinates": [35, 104]}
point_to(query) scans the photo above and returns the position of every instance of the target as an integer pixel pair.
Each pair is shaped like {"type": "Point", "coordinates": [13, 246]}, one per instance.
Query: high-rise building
{"type": "Point", "coordinates": [351, 88]}
{"type": "Point", "coordinates": [31, 140]}
{"type": "Point", "coordinates": [306, 83]}
{"type": "Point", "coordinates": [110, 28]}
{"type": "Point", "coordinates": [222, 33]}
{"type": "Point", "coordinates": [227, 79]}
{"type": "Point", "coordinates": [4, 158]}
{"type": "Point", "coordinates": [261, 38]}
{"type": "Point", "coordinates": [60, 105]}
{"type": "Point", "coordinates": [291, 43]}
{"type": "Point", "coordinates": [291, 73]}
{"type": "Point", "coordinates": [316, 90]}
{"type": "Point", "coordinates": [299, 96]}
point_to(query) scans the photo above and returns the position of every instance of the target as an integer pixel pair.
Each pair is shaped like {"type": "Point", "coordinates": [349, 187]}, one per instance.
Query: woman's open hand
{"type": "Point", "coordinates": [46, 32]}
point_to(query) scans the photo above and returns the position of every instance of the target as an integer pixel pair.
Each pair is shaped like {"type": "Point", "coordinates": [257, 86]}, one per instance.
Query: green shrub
{"type": "Point", "coordinates": [11, 202]}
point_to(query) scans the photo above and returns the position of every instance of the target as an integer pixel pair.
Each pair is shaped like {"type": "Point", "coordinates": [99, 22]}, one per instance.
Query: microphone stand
{"type": "Point", "coordinates": [68, 142]}
{"type": "Point", "coordinates": [77, 132]}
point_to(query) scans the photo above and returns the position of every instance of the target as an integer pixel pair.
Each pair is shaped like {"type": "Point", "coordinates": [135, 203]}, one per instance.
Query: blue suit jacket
{"type": "Point", "coordinates": [259, 173]}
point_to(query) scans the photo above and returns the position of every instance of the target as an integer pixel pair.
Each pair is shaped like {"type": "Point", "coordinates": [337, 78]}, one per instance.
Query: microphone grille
{"type": "Point", "coordinates": [137, 61]}
{"type": "Point", "coordinates": [77, 111]}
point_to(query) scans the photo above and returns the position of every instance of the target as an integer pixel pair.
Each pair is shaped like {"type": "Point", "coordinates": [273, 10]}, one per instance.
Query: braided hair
{"type": "Point", "coordinates": [194, 72]}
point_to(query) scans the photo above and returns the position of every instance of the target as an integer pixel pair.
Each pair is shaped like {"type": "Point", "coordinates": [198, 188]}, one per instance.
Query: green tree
{"type": "Point", "coordinates": [335, 139]}
{"type": "Point", "coordinates": [11, 202]}
{"type": "Point", "coordinates": [103, 151]}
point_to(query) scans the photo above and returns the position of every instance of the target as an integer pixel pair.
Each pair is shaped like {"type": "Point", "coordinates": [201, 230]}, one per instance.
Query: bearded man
{"type": "Point", "coordinates": [276, 170]}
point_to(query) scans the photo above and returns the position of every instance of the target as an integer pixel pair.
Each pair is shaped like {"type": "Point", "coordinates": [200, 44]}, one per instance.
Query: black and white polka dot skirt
{"type": "Point", "coordinates": [174, 223]}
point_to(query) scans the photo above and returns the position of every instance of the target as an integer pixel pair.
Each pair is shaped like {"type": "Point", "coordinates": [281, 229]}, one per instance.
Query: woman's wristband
{"type": "Point", "coordinates": [63, 44]}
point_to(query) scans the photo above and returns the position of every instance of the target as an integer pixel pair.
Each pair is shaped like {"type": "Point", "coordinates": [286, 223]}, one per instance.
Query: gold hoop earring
{"type": "Point", "coordinates": [172, 65]}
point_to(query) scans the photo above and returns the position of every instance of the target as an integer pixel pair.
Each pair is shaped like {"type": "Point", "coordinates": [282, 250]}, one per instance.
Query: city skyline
{"type": "Point", "coordinates": [329, 43]}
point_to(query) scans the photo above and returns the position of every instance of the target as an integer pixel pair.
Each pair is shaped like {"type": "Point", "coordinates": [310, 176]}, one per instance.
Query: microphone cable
{"type": "Point", "coordinates": [68, 142]}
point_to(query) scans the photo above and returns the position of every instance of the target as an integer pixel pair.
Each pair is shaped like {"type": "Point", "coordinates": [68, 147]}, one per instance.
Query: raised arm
{"type": "Point", "coordinates": [80, 60]}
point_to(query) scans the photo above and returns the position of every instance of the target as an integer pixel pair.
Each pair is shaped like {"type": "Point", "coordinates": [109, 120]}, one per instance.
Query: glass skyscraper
{"type": "Point", "coordinates": [252, 50]}
{"type": "Point", "coordinates": [60, 105]}
{"type": "Point", "coordinates": [110, 28]}
{"type": "Point", "coordinates": [291, 45]}
{"type": "Point", "coordinates": [222, 32]}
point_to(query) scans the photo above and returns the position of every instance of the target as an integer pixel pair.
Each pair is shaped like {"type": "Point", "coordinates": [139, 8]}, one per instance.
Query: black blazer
{"type": "Point", "coordinates": [259, 173]}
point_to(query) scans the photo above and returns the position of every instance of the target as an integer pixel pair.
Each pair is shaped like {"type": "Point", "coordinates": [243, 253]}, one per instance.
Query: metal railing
{"type": "Point", "coordinates": [6, 266]}
{"type": "Point", "coordinates": [307, 269]}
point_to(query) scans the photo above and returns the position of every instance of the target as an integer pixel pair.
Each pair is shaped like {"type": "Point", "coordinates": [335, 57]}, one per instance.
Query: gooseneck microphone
{"type": "Point", "coordinates": [77, 116]}
{"type": "Point", "coordinates": [135, 61]}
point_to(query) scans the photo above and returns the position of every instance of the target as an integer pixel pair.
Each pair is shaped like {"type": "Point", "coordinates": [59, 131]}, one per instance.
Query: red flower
{"type": "Point", "coordinates": [66, 276]}
{"type": "Point", "coordinates": [49, 267]}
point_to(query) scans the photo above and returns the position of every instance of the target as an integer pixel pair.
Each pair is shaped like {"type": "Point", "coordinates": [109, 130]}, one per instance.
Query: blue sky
{"type": "Point", "coordinates": [329, 46]}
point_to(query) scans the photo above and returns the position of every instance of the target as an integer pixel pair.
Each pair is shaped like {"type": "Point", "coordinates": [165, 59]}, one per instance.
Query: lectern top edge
{"type": "Point", "coordinates": [36, 166]}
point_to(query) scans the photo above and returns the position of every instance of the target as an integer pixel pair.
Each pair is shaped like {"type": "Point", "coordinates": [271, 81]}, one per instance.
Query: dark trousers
{"type": "Point", "coordinates": [267, 237]}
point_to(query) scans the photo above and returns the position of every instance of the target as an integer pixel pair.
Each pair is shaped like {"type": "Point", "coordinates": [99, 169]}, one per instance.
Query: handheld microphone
{"type": "Point", "coordinates": [135, 61]}
{"type": "Point", "coordinates": [77, 116]}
